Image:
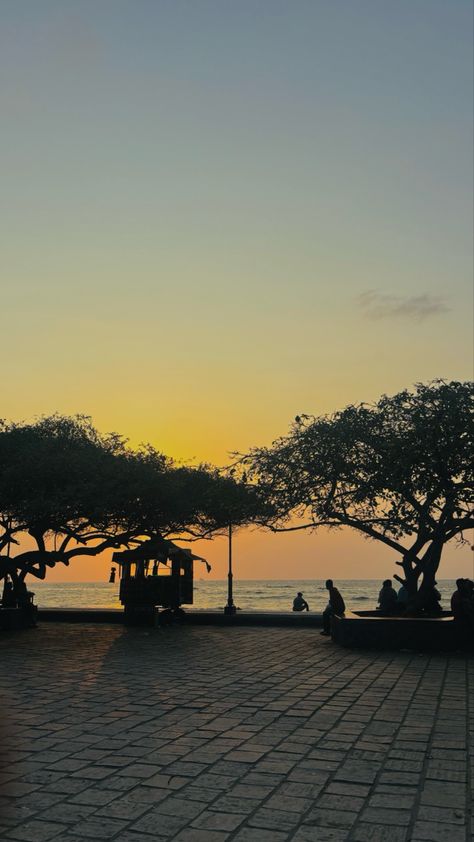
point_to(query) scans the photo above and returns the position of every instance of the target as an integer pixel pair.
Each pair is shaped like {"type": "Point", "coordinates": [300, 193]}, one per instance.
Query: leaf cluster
{"type": "Point", "coordinates": [402, 467]}
{"type": "Point", "coordinates": [61, 478]}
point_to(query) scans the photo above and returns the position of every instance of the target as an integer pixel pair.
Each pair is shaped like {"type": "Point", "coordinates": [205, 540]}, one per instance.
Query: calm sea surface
{"type": "Point", "coordinates": [248, 594]}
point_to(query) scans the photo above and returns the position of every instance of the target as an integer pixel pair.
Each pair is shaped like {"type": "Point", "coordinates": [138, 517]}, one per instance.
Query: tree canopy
{"type": "Point", "coordinates": [76, 493]}
{"type": "Point", "coordinates": [400, 471]}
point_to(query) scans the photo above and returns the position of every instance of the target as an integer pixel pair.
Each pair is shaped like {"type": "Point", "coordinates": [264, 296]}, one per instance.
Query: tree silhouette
{"type": "Point", "coordinates": [400, 472]}
{"type": "Point", "coordinates": [75, 492]}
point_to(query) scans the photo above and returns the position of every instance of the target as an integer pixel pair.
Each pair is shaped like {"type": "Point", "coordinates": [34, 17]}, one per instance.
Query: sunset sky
{"type": "Point", "coordinates": [217, 215]}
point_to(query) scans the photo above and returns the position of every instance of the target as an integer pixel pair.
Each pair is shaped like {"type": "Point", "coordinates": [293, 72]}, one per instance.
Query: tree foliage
{"type": "Point", "coordinates": [76, 492]}
{"type": "Point", "coordinates": [400, 472]}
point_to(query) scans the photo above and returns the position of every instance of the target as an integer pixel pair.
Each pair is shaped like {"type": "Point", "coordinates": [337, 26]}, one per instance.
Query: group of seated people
{"type": "Point", "coordinates": [15, 595]}
{"type": "Point", "coordinates": [393, 603]}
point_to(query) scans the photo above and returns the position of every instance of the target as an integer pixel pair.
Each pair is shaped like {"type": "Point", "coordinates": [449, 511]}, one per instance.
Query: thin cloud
{"type": "Point", "coordinates": [379, 305]}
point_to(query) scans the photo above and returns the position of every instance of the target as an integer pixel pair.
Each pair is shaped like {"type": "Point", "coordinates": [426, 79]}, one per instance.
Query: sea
{"type": "Point", "coordinates": [249, 595]}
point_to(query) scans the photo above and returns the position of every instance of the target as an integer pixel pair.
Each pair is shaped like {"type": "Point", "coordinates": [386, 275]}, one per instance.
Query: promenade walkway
{"type": "Point", "coordinates": [208, 734]}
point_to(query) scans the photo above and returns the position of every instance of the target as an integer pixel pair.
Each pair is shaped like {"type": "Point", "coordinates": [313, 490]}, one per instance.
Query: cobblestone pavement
{"type": "Point", "coordinates": [204, 734]}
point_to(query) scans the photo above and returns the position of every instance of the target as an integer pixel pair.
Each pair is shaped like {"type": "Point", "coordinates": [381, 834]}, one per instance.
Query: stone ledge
{"type": "Point", "coordinates": [366, 629]}
{"type": "Point", "coordinates": [196, 617]}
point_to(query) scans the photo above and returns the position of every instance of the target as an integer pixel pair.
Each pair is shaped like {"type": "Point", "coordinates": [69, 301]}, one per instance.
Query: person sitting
{"type": "Point", "coordinates": [403, 598]}
{"type": "Point", "coordinates": [458, 600]}
{"type": "Point", "coordinates": [462, 604]}
{"type": "Point", "coordinates": [432, 600]}
{"type": "Point", "coordinates": [8, 598]}
{"type": "Point", "coordinates": [388, 599]}
{"type": "Point", "coordinates": [300, 604]}
{"type": "Point", "coordinates": [335, 605]}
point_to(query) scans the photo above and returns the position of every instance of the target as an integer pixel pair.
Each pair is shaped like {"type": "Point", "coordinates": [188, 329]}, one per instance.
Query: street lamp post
{"type": "Point", "coordinates": [230, 608]}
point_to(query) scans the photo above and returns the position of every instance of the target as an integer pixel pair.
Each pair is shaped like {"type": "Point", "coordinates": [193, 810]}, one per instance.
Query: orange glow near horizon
{"type": "Point", "coordinates": [262, 555]}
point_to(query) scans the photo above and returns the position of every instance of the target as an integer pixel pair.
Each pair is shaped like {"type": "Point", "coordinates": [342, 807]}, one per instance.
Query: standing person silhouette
{"type": "Point", "coordinates": [336, 605]}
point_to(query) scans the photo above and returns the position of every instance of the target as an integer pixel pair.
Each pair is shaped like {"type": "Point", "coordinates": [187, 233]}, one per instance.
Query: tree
{"type": "Point", "coordinates": [399, 472]}
{"type": "Point", "coordinates": [75, 493]}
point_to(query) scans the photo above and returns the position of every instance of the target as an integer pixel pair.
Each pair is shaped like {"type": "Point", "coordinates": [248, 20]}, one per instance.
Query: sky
{"type": "Point", "coordinates": [218, 215]}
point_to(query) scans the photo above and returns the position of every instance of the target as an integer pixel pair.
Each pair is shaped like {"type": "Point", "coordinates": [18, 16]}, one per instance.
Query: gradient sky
{"type": "Point", "coordinates": [217, 215]}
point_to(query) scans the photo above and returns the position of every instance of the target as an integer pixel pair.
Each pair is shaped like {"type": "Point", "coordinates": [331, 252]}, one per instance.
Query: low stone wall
{"type": "Point", "coordinates": [192, 617]}
{"type": "Point", "coordinates": [367, 630]}
{"type": "Point", "coordinates": [17, 618]}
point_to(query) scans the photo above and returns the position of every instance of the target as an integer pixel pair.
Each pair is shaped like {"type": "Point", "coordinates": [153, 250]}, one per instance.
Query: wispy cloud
{"type": "Point", "coordinates": [379, 305]}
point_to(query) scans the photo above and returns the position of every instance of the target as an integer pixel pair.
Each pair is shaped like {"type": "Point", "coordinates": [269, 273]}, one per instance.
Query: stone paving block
{"type": "Point", "coordinates": [200, 793]}
{"type": "Point", "coordinates": [252, 791]}
{"type": "Point", "coordinates": [289, 803]}
{"type": "Point", "coordinates": [209, 820]}
{"type": "Point", "coordinates": [321, 834]}
{"type": "Point", "coordinates": [180, 806]}
{"type": "Point", "coordinates": [442, 814]}
{"type": "Point", "coordinates": [68, 837]}
{"type": "Point", "coordinates": [307, 776]}
{"type": "Point", "coordinates": [250, 834]}
{"type": "Point", "coordinates": [234, 804]}
{"type": "Point", "coordinates": [67, 813]}
{"type": "Point", "coordinates": [114, 782]}
{"type": "Point", "coordinates": [159, 824]}
{"type": "Point", "coordinates": [354, 771]}
{"type": "Point", "coordinates": [66, 786]}
{"type": "Point", "coordinates": [98, 828]}
{"type": "Point", "coordinates": [386, 816]}
{"type": "Point", "coordinates": [93, 773]}
{"type": "Point", "coordinates": [331, 801]}
{"type": "Point", "coordinates": [94, 796]}
{"type": "Point", "coordinates": [342, 788]}
{"type": "Point", "coordinates": [68, 764]}
{"type": "Point", "coordinates": [191, 834]}
{"type": "Point", "coordinates": [137, 770]}
{"type": "Point", "coordinates": [392, 800]}
{"type": "Point", "coordinates": [183, 769]}
{"type": "Point", "coordinates": [123, 808]}
{"type": "Point", "coordinates": [129, 836]}
{"type": "Point", "coordinates": [36, 831]}
{"type": "Point", "coordinates": [379, 833]}
{"type": "Point", "coordinates": [14, 812]}
{"type": "Point", "coordinates": [330, 818]}
{"type": "Point", "coordinates": [437, 832]}
{"type": "Point", "coordinates": [299, 790]}
{"type": "Point", "coordinates": [408, 778]}
{"type": "Point", "coordinates": [39, 800]}
{"type": "Point", "coordinates": [449, 795]}
{"type": "Point", "coordinates": [165, 781]}
{"type": "Point", "coordinates": [272, 819]}
{"type": "Point", "coordinates": [17, 789]}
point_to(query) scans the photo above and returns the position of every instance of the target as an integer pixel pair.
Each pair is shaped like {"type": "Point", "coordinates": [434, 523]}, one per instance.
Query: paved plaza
{"type": "Point", "coordinates": [206, 734]}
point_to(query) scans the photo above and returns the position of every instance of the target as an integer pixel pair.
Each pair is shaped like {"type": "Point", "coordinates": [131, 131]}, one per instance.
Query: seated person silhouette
{"type": "Point", "coordinates": [432, 601]}
{"type": "Point", "coordinates": [388, 599]}
{"type": "Point", "coordinates": [336, 605]}
{"type": "Point", "coordinates": [300, 604]}
{"type": "Point", "coordinates": [462, 606]}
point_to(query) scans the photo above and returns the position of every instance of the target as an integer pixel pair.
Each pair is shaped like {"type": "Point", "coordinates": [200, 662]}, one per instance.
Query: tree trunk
{"type": "Point", "coordinates": [411, 580]}
{"type": "Point", "coordinates": [430, 564]}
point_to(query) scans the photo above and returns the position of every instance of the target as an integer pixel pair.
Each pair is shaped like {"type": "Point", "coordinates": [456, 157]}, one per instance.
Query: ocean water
{"type": "Point", "coordinates": [251, 595]}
